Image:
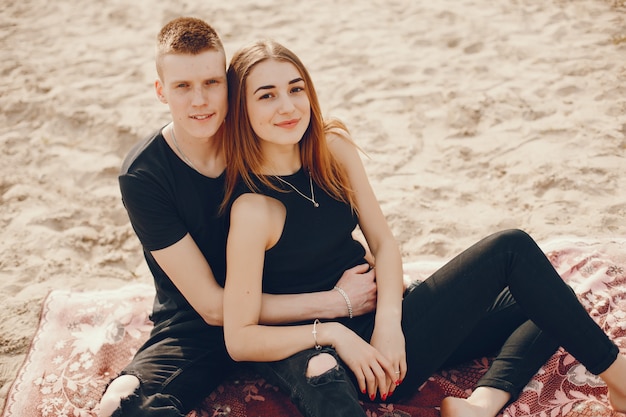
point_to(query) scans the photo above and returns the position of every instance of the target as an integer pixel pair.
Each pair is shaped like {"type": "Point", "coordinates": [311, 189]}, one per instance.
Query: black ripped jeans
{"type": "Point", "coordinates": [500, 297]}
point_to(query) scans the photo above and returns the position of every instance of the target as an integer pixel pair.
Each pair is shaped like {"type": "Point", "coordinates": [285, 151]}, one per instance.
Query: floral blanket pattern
{"type": "Point", "coordinates": [85, 338]}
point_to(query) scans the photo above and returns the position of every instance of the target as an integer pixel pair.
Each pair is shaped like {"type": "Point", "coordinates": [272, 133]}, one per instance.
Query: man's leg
{"type": "Point", "coordinates": [171, 374]}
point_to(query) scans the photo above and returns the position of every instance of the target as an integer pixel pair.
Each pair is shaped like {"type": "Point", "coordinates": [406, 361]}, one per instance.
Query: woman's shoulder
{"type": "Point", "coordinates": [257, 212]}
{"type": "Point", "coordinates": [341, 145]}
{"type": "Point", "coordinates": [335, 129]}
{"type": "Point", "coordinates": [249, 195]}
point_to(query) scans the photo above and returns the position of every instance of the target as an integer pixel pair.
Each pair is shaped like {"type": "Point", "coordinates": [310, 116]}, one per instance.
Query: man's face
{"type": "Point", "coordinates": [195, 89]}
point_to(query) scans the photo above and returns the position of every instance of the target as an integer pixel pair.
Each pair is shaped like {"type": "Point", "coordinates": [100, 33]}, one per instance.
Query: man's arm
{"type": "Point", "coordinates": [189, 271]}
{"type": "Point", "coordinates": [358, 283]}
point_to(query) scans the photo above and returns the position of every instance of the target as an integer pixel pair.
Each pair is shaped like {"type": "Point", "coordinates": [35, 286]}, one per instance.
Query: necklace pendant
{"type": "Point", "coordinates": [311, 199]}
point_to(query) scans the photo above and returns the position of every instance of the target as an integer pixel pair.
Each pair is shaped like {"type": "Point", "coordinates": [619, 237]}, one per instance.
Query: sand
{"type": "Point", "coordinates": [475, 116]}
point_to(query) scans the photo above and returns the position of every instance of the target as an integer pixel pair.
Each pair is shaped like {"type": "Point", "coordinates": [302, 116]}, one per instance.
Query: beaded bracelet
{"type": "Point", "coordinates": [317, 345]}
{"type": "Point", "coordinates": [345, 297]}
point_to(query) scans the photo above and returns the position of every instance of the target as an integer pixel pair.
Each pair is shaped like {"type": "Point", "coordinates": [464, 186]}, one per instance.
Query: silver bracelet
{"type": "Point", "coordinates": [317, 345]}
{"type": "Point", "coordinates": [345, 297]}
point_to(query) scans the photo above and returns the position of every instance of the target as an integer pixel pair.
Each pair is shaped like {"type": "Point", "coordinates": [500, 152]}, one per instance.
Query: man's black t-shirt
{"type": "Point", "coordinates": [166, 199]}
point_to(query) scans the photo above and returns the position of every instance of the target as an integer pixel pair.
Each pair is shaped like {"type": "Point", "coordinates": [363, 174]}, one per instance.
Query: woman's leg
{"type": "Point", "coordinates": [326, 391]}
{"type": "Point", "coordinates": [518, 359]}
{"type": "Point", "coordinates": [442, 313]}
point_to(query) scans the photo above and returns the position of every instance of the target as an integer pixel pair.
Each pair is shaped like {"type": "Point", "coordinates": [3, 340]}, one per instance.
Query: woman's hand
{"type": "Point", "coordinates": [359, 284]}
{"type": "Point", "coordinates": [372, 369]}
{"type": "Point", "coordinates": [388, 339]}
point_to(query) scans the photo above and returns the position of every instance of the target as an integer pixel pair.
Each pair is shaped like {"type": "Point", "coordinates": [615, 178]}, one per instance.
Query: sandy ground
{"type": "Point", "coordinates": [476, 116]}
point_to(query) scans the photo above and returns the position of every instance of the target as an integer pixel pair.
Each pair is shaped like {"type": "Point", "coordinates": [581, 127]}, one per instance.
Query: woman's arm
{"type": "Point", "coordinates": [387, 337]}
{"type": "Point", "coordinates": [256, 225]}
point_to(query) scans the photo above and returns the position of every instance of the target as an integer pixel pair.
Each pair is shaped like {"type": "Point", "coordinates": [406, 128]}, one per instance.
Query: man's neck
{"type": "Point", "coordinates": [203, 155]}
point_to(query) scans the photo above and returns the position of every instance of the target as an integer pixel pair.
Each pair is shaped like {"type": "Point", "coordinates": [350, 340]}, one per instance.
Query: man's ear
{"type": "Point", "coordinates": [158, 88]}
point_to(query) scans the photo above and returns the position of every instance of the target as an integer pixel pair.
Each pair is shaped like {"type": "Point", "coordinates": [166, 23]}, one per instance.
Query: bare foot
{"type": "Point", "coordinates": [617, 401]}
{"type": "Point", "coordinates": [615, 379]}
{"type": "Point", "coordinates": [460, 407]}
{"type": "Point", "coordinates": [483, 402]}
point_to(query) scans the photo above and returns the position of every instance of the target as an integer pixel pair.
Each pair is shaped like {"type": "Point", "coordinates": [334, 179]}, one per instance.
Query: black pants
{"type": "Point", "coordinates": [501, 296]}
{"type": "Point", "coordinates": [181, 363]}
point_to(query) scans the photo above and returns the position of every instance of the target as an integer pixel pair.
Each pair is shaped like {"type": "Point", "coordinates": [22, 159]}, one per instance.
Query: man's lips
{"type": "Point", "coordinates": [201, 116]}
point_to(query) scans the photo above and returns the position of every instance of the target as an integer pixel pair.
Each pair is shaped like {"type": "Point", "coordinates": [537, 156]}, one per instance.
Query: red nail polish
{"type": "Point", "coordinates": [363, 391]}
{"type": "Point", "coordinates": [398, 382]}
{"type": "Point", "coordinates": [372, 396]}
{"type": "Point", "coordinates": [384, 397]}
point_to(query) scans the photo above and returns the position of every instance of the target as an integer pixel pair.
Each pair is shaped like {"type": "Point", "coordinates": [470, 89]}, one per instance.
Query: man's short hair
{"type": "Point", "coordinates": [186, 35]}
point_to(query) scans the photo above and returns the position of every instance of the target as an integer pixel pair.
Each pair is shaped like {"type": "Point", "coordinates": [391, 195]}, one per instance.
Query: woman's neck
{"type": "Point", "coordinates": [281, 161]}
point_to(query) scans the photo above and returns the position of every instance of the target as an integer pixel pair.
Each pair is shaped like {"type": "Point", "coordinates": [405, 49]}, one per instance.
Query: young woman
{"type": "Point", "coordinates": [296, 189]}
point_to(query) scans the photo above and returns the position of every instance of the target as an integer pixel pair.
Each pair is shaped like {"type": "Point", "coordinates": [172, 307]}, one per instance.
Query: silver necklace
{"type": "Point", "coordinates": [187, 160]}
{"type": "Point", "coordinates": [312, 199]}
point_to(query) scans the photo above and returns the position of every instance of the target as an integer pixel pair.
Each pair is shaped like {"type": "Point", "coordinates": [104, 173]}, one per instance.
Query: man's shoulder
{"type": "Point", "coordinates": [140, 150]}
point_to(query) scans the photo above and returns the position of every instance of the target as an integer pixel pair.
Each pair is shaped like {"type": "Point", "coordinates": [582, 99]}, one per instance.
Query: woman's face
{"type": "Point", "coordinates": [277, 102]}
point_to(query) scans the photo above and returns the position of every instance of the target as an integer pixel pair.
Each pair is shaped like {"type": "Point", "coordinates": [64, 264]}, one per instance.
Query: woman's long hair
{"type": "Point", "coordinates": [242, 147]}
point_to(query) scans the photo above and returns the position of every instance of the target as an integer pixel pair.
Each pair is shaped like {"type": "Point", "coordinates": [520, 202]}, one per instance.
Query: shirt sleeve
{"type": "Point", "coordinates": [152, 211]}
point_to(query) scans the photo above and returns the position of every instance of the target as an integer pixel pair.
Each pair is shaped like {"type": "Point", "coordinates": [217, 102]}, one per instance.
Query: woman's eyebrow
{"type": "Point", "coordinates": [269, 87]}
{"type": "Point", "coordinates": [264, 87]}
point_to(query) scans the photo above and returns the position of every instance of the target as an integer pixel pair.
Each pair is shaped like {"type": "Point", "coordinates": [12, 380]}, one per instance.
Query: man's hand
{"type": "Point", "coordinates": [359, 284]}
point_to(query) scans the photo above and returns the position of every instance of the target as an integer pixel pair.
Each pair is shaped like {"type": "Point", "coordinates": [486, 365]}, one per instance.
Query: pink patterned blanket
{"type": "Point", "coordinates": [84, 338]}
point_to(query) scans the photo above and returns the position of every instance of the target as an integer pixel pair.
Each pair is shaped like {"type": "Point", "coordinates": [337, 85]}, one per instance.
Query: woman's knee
{"type": "Point", "coordinates": [514, 235]}
{"type": "Point", "coordinates": [515, 240]}
{"type": "Point", "coordinates": [121, 387]}
{"type": "Point", "coordinates": [320, 364]}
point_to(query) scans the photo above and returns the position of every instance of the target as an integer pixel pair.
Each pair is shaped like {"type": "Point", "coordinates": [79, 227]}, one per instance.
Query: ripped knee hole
{"type": "Point", "coordinates": [320, 364]}
{"type": "Point", "coordinates": [125, 385]}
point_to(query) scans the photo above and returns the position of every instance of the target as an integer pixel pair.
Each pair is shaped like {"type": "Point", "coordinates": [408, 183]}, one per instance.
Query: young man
{"type": "Point", "coordinates": [172, 184]}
